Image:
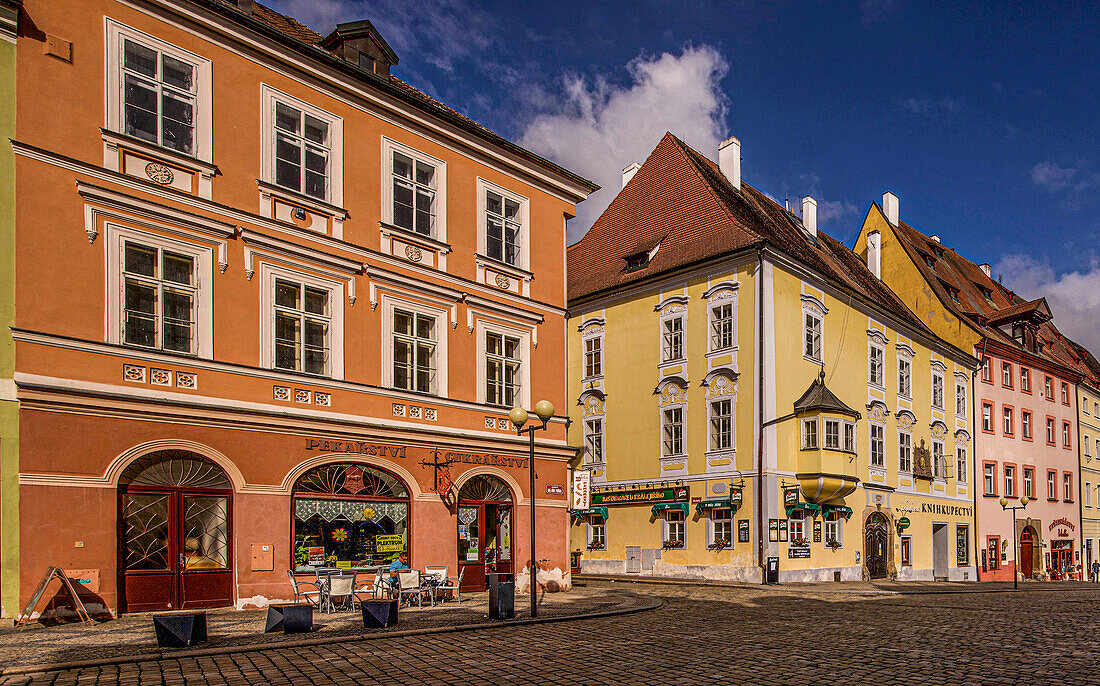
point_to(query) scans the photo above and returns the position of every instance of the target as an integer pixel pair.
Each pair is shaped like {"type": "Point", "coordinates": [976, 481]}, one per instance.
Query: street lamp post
{"type": "Point", "coordinates": [544, 410]}
{"type": "Point", "coordinates": [1024, 500]}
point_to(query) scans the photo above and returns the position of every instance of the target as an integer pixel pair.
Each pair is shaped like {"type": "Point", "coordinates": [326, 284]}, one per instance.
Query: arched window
{"type": "Point", "coordinates": [349, 515]}
{"type": "Point", "coordinates": [486, 489]}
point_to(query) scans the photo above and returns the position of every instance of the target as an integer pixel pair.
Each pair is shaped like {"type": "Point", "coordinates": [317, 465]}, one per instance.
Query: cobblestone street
{"type": "Point", "coordinates": [703, 635]}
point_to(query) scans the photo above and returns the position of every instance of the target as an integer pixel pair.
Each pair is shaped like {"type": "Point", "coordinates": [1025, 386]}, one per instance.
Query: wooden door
{"type": "Point", "coordinates": [1027, 553]}
{"type": "Point", "coordinates": [471, 549]}
{"type": "Point", "coordinates": [174, 550]}
{"type": "Point", "coordinates": [876, 551]}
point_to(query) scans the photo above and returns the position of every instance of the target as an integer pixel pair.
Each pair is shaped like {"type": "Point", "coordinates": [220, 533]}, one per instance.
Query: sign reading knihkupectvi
{"type": "Point", "coordinates": [641, 495]}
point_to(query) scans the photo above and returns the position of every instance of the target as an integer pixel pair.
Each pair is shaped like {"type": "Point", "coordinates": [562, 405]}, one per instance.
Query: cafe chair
{"type": "Point", "coordinates": [452, 584]}
{"type": "Point", "coordinates": [408, 584]}
{"type": "Point", "coordinates": [342, 590]}
{"type": "Point", "coordinates": [366, 585]}
{"type": "Point", "coordinates": [302, 590]}
{"type": "Point", "coordinates": [436, 576]}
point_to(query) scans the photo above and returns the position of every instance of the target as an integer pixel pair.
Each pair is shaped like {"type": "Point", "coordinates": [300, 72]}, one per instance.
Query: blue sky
{"type": "Point", "coordinates": [982, 119]}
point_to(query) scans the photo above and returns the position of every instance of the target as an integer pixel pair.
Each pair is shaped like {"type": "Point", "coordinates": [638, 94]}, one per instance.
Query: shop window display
{"type": "Point", "coordinates": [349, 515]}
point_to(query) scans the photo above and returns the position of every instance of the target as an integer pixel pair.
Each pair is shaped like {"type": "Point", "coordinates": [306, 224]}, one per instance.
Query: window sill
{"type": "Point", "coordinates": [991, 495]}
{"type": "Point", "coordinates": [419, 239]}
{"type": "Point", "coordinates": [144, 147]}
{"type": "Point", "coordinates": [510, 269]}
{"type": "Point", "coordinates": [812, 360]}
{"type": "Point", "coordinates": [302, 199]}
{"type": "Point", "coordinates": [295, 372]}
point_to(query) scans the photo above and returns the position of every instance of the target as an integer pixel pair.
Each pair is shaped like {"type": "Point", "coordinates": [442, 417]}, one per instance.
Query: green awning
{"type": "Point", "coordinates": [661, 507]}
{"type": "Point", "coordinates": [812, 507]}
{"type": "Point", "coordinates": [711, 504]}
{"type": "Point", "coordinates": [579, 516]}
{"type": "Point", "coordinates": [842, 510]}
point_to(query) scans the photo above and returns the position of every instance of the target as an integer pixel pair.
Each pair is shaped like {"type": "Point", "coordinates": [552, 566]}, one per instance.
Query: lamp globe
{"type": "Point", "coordinates": [1004, 501]}
{"type": "Point", "coordinates": [518, 417]}
{"type": "Point", "coordinates": [1024, 500]}
{"type": "Point", "coordinates": [544, 409]}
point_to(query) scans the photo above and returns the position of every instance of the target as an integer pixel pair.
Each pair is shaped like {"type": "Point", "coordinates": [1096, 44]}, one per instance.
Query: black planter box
{"type": "Point", "coordinates": [378, 614]}
{"type": "Point", "coordinates": [290, 619]}
{"type": "Point", "coordinates": [180, 630]}
{"type": "Point", "coordinates": [502, 596]}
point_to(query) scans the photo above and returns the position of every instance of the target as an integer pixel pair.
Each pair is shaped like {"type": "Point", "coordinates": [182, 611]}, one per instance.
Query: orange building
{"type": "Point", "coordinates": [262, 286]}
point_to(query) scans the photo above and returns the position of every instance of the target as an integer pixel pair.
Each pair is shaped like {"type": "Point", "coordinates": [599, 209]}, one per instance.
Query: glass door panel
{"type": "Point", "coordinates": [145, 532]}
{"type": "Point", "coordinates": [206, 532]}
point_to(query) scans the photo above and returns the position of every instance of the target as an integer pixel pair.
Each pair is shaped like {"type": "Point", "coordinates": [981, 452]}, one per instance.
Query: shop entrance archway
{"type": "Point", "coordinates": [876, 537]}
{"type": "Point", "coordinates": [484, 530]}
{"type": "Point", "coordinates": [1027, 552]}
{"type": "Point", "coordinates": [174, 535]}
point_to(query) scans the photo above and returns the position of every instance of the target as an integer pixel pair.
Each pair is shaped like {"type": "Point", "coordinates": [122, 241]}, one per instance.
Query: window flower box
{"type": "Point", "coordinates": [800, 542]}
{"type": "Point", "coordinates": [832, 543]}
{"type": "Point", "coordinates": [719, 544]}
{"type": "Point", "coordinates": [673, 545]}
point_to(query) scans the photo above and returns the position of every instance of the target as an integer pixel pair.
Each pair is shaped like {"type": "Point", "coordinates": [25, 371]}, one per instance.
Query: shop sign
{"type": "Point", "coordinates": [735, 496]}
{"type": "Point", "coordinates": [956, 510]}
{"type": "Point", "coordinates": [696, 500]}
{"type": "Point", "coordinates": [795, 552]}
{"type": "Point", "coordinates": [582, 489]}
{"type": "Point", "coordinates": [742, 531]}
{"type": "Point", "coordinates": [1062, 521]}
{"type": "Point", "coordinates": [773, 530]}
{"type": "Point", "coordinates": [903, 524]}
{"type": "Point", "coordinates": [555, 489]}
{"type": "Point", "coordinates": [388, 543]}
{"type": "Point", "coordinates": [782, 529]}
{"type": "Point", "coordinates": [317, 556]}
{"type": "Point", "coordinates": [479, 458]}
{"type": "Point", "coordinates": [790, 496]}
{"type": "Point", "coordinates": [361, 447]}
{"type": "Point", "coordinates": [641, 495]}
{"type": "Point", "coordinates": [817, 531]}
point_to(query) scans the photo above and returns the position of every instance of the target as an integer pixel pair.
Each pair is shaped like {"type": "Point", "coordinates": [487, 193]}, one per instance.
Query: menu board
{"type": "Point", "coordinates": [317, 556]}
{"type": "Point", "coordinates": [742, 531]}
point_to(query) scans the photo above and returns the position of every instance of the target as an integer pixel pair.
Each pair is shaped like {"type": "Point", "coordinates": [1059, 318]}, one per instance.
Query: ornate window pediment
{"type": "Point", "coordinates": [877, 336]}
{"type": "Point", "coordinates": [877, 411]}
{"type": "Point", "coordinates": [720, 383]}
{"type": "Point", "coordinates": [671, 391]}
{"type": "Point", "coordinates": [672, 304]}
{"type": "Point", "coordinates": [906, 420]}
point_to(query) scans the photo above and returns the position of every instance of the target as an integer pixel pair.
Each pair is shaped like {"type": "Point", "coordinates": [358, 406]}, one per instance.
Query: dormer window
{"type": "Point", "coordinates": [637, 261]}
{"type": "Point", "coordinates": [929, 260]}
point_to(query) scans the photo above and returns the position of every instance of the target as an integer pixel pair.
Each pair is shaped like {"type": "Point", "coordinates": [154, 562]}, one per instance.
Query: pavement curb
{"type": "Point", "coordinates": [645, 603]}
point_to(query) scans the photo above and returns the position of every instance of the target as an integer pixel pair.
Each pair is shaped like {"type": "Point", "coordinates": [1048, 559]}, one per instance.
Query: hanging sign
{"type": "Point", "coordinates": [641, 495]}
{"type": "Point", "coordinates": [903, 524]}
{"type": "Point", "coordinates": [735, 496]}
{"type": "Point", "coordinates": [817, 531]}
{"type": "Point", "coordinates": [582, 490]}
{"type": "Point", "coordinates": [790, 496]}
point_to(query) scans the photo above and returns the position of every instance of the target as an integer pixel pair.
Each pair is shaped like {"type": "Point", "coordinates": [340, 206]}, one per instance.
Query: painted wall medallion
{"type": "Point", "coordinates": [159, 173]}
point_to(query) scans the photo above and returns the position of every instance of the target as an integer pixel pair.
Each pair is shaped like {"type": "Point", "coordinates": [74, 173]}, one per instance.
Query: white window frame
{"type": "Point", "coordinates": [881, 447]}
{"type": "Point", "coordinates": [1052, 485]}
{"type": "Point", "coordinates": [667, 525]}
{"type": "Point", "coordinates": [1025, 379]}
{"type": "Point", "coordinates": [876, 365]}
{"type": "Point", "coordinates": [1086, 444]}
{"type": "Point", "coordinates": [962, 464]}
{"type": "Point", "coordinates": [268, 97]}
{"type": "Point", "coordinates": [1067, 487]}
{"type": "Point", "coordinates": [483, 326]}
{"type": "Point", "coordinates": [835, 522]}
{"type": "Point", "coordinates": [204, 108]}
{"type": "Point", "coordinates": [715, 429]}
{"type": "Point", "coordinates": [939, 466]}
{"type": "Point", "coordinates": [832, 426]}
{"type": "Point", "coordinates": [389, 147]}
{"type": "Point", "coordinates": [673, 341]}
{"type": "Point", "coordinates": [813, 322]}
{"type": "Point", "coordinates": [524, 238]}
{"type": "Point", "coordinates": [593, 529]}
{"type": "Point", "coordinates": [937, 376]}
{"type": "Point", "coordinates": [1008, 421]}
{"type": "Point", "coordinates": [442, 328]}
{"type": "Point", "coordinates": [1010, 481]}
{"type": "Point", "coordinates": [810, 434]}
{"type": "Point", "coordinates": [597, 349]}
{"type": "Point", "coordinates": [594, 440]}
{"type": "Point", "coordinates": [848, 437]}
{"type": "Point", "coordinates": [116, 237]}
{"type": "Point", "coordinates": [713, 523]}
{"type": "Point", "coordinates": [905, 377]}
{"type": "Point", "coordinates": [672, 432]}
{"type": "Point", "coordinates": [798, 525]}
{"type": "Point", "coordinates": [960, 399]}
{"type": "Point", "coordinates": [1088, 494]}
{"type": "Point", "coordinates": [713, 332]}
{"type": "Point", "coordinates": [1029, 482]}
{"type": "Point", "coordinates": [989, 478]}
{"type": "Point", "coordinates": [905, 452]}
{"type": "Point", "coordinates": [268, 273]}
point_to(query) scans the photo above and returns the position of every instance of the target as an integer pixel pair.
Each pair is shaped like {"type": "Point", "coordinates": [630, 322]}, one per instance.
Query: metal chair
{"type": "Point", "coordinates": [366, 584]}
{"type": "Point", "coordinates": [340, 588]}
{"type": "Point", "coordinates": [313, 597]}
{"type": "Point", "coordinates": [435, 576]}
{"type": "Point", "coordinates": [408, 584]}
{"type": "Point", "coordinates": [453, 584]}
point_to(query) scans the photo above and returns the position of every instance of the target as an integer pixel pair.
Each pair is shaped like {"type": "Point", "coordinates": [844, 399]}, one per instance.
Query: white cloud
{"type": "Point", "coordinates": [598, 128]}
{"type": "Point", "coordinates": [831, 210]}
{"type": "Point", "coordinates": [1050, 176]}
{"type": "Point", "coordinates": [1074, 297]}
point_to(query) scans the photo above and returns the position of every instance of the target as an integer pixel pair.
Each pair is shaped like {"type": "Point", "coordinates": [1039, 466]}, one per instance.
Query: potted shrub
{"type": "Point", "coordinates": [672, 545]}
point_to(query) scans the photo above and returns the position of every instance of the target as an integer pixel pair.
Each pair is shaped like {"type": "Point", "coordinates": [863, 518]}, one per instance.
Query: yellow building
{"type": "Point", "coordinates": [747, 389]}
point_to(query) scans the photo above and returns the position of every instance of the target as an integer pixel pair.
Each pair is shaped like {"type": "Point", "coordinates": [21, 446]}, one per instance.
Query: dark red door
{"type": "Point", "coordinates": [174, 549]}
{"type": "Point", "coordinates": [1027, 553]}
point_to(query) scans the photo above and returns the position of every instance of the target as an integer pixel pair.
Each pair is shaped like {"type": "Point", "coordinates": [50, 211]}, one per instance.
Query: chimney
{"type": "Point", "coordinates": [874, 253]}
{"type": "Point", "coordinates": [809, 215]}
{"type": "Point", "coordinates": [890, 207]}
{"type": "Point", "coordinates": [985, 267]}
{"type": "Point", "coordinates": [629, 171]}
{"type": "Point", "coordinates": [244, 6]}
{"type": "Point", "coordinates": [935, 237]}
{"type": "Point", "coordinates": [729, 160]}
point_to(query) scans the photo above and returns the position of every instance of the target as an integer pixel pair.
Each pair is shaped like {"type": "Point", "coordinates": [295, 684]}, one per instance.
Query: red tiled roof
{"type": "Point", "coordinates": [288, 25]}
{"type": "Point", "coordinates": [949, 268]}
{"type": "Point", "coordinates": [681, 199]}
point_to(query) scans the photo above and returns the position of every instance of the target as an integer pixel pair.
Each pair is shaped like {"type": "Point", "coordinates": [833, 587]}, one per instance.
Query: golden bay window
{"type": "Point", "coordinates": [905, 452]}
{"type": "Point", "coordinates": [414, 351]}
{"type": "Point", "coordinates": [159, 95]}
{"type": "Point", "coordinates": [721, 325]}
{"type": "Point", "coordinates": [302, 151]}
{"type": "Point", "coordinates": [721, 424]}
{"type": "Point", "coordinates": [809, 434]}
{"type": "Point", "coordinates": [673, 339]}
{"type": "Point", "coordinates": [593, 440]}
{"type": "Point", "coordinates": [502, 369]}
{"type": "Point", "coordinates": [414, 194]}
{"type": "Point", "coordinates": [159, 296]}
{"type": "Point", "coordinates": [302, 319]}
{"type": "Point", "coordinates": [673, 431]}
{"type": "Point", "coordinates": [832, 434]}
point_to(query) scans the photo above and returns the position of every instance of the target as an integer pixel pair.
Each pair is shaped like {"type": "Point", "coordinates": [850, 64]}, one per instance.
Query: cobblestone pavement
{"type": "Point", "coordinates": [702, 635]}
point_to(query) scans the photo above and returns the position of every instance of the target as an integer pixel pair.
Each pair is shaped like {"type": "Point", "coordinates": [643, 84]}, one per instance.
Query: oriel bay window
{"type": "Point", "coordinates": [809, 434]}
{"type": "Point", "coordinates": [302, 151]}
{"type": "Point", "coordinates": [414, 351]}
{"type": "Point", "coordinates": [502, 369]}
{"type": "Point", "coordinates": [302, 319]}
{"type": "Point", "coordinates": [349, 514]}
{"type": "Point", "coordinates": [159, 288]}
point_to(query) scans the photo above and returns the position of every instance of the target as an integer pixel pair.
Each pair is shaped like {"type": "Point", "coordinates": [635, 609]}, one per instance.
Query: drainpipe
{"type": "Point", "coordinates": [975, 431]}
{"type": "Point", "coordinates": [760, 415]}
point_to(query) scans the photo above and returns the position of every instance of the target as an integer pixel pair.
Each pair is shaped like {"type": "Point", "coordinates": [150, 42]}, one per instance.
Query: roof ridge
{"type": "Point", "coordinates": [691, 153]}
